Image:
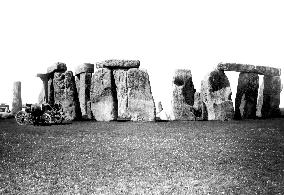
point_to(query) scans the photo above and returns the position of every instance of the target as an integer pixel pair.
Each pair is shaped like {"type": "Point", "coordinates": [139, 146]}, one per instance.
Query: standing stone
{"type": "Point", "coordinates": [120, 77]}
{"type": "Point", "coordinates": [83, 83]}
{"type": "Point", "coordinates": [41, 96]}
{"type": "Point", "coordinates": [50, 88]}
{"type": "Point", "coordinates": [183, 95]}
{"type": "Point", "coordinates": [271, 96]}
{"type": "Point", "coordinates": [259, 100]}
{"type": "Point", "coordinates": [246, 97]}
{"type": "Point", "coordinates": [44, 93]}
{"type": "Point", "coordinates": [17, 99]}
{"type": "Point", "coordinates": [141, 105]}
{"type": "Point", "coordinates": [160, 107]}
{"type": "Point", "coordinates": [199, 107]}
{"type": "Point", "coordinates": [103, 96]}
{"type": "Point", "coordinates": [65, 93]}
{"type": "Point", "coordinates": [216, 94]}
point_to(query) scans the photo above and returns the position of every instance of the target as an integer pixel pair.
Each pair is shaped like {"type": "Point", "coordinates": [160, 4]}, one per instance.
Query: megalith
{"type": "Point", "coordinates": [17, 99]}
{"type": "Point", "coordinates": [199, 107]}
{"type": "Point", "coordinates": [141, 105]}
{"type": "Point", "coordinates": [271, 96]}
{"type": "Point", "coordinates": [83, 75]}
{"type": "Point", "coordinates": [103, 96]}
{"type": "Point", "coordinates": [118, 64]}
{"type": "Point", "coordinates": [216, 94]}
{"type": "Point", "coordinates": [183, 95]}
{"type": "Point", "coordinates": [65, 93]}
{"type": "Point", "coordinates": [246, 97]}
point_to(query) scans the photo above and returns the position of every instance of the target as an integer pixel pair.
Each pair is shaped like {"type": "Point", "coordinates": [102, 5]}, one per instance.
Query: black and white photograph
{"type": "Point", "coordinates": [144, 97]}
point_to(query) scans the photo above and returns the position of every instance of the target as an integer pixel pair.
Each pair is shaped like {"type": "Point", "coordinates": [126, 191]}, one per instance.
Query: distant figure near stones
{"type": "Point", "coordinates": [183, 95]}
{"type": "Point", "coordinates": [17, 99]}
{"type": "Point", "coordinates": [216, 94]}
{"type": "Point", "coordinates": [246, 97]}
{"type": "Point", "coordinates": [128, 90]}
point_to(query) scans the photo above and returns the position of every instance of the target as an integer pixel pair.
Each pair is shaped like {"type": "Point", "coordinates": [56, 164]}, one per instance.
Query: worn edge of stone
{"type": "Point", "coordinates": [262, 70]}
{"type": "Point", "coordinates": [114, 63]}
{"type": "Point", "coordinates": [58, 67]}
{"type": "Point", "coordinates": [85, 68]}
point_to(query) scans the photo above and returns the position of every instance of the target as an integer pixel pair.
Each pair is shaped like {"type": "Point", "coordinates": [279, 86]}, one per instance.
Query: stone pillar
{"type": "Point", "coordinates": [17, 99]}
{"type": "Point", "coordinates": [44, 78]}
{"type": "Point", "coordinates": [271, 96]}
{"type": "Point", "coordinates": [183, 95]}
{"type": "Point", "coordinates": [83, 83]}
{"type": "Point", "coordinates": [246, 97]}
{"type": "Point", "coordinates": [216, 94]}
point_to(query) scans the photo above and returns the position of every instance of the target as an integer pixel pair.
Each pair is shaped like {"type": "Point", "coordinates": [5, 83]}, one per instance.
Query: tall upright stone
{"type": "Point", "coordinates": [199, 107]}
{"type": "Point", "coordinates": [141, 105]}
{"type": "Point", "coordinates": [83, 83]}
{"type": "Point", "coordinates": [65, 93]}
{"type": "Point", "coordinates": [183, 95]}
{"type": "Point", "coordinates": [271, 96]}
{"type": "Point", "coordinates": [17, 99]}
{"type": "Point", "coordinates": [216, 94]}
{"type": "Point", "coordinates": [103, 96]}
{"type": "Point", "coordinates": [246, 97]}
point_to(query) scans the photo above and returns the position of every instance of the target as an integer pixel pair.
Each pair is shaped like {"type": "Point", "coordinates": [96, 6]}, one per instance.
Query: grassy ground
{"type": "Point", "coordinates": [237, 157]}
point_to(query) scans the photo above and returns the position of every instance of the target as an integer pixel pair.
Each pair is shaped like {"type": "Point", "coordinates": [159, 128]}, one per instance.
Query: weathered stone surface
{"type": "Point", "coordinates": [246, 97]}
{"type": "Point", "coordinates": [263, 70]}
{"type": "Point", "coordinates": [41, 97]}
{"type": "Point", "coordinates": [199, 107]}
{"type": "Point", "coordinates": [216, 94]}
{"type": "Point", "coordinates": [141, 105]}
{"type": "Point", "coordinates": [17, 99]}
{"type": "Point", "coordinates": [259, 100]}
{"type": "Point", "coordinates": [65, 93]}
{"type": "Point", "coordinates": [58, 67]}
{"type": "Point", "coordinates": [118, 64]}
{"type": "Point", "coordinates": [50, 88]}
{"type": "Point", "coordinates": [183, 95]}
{"type": "Point", "coordinates": [85, 68]}
{"type": "Point", "coordinates": [103, 96]}
{"type": "Point", "coordinates": [271, 96]}
{"type": "Point", "coordinates": [83, 83]}
{"type": "Point", "coordinates": [120, 77]}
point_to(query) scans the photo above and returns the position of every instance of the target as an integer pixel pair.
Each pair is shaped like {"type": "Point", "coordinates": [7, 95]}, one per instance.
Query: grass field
{"type": "Point", "coordinates": [237, 157]}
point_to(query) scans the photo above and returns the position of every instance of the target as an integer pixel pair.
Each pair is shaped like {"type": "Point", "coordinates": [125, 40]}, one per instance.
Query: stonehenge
{"type": "Point", "coordinates": [17, 99]}
{"type": "Point", "coordinates": [120, 90]}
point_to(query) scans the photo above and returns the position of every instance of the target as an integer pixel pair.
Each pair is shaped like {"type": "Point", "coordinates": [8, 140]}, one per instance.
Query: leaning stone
{"type": "Point", "coordinates": [246, 97]}
{"type": "Point", "coordinates": [183, 95]}
{"type": "Point", "coordinates": [65, 93]}
{"type": "Point", "coordinates": [103, 97]}
{"type": "Point", "coordinates": [58, 67]}
{"type": "Point", "coordinates": [17, 99]}
{"type": "Point", "coordinates": [216, 94]}
{"type": "Point", "coordinates": [263, 70]}
{"type": "Point", "coordinates": [85, 68]}
{"type": "Point", "coordinates": [118, 64]}
{"type": "Point", "coordinates": [141, 105]}
{"type": "Point", "coordinates": [271, 96]}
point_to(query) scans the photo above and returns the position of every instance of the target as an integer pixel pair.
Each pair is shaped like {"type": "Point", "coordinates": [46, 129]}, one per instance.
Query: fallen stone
{"type": "Point", "coordinates": [58, 67]}
{"type": "Point", "coordinates": [216, 94]}
{"type": "Point", "coordinates": [103, 96]}
{"type": "Point", "coordinates": [85, 68]}
{"type": "Point", "coordinates": [17, 99]}
{"type": "Point", "coordinates": [262, 70]}
{"type": "Point", "coordinates": [246, 97]}
{"type": "Point", "coordinates": [183, 95]}
{"type": "Point", "coordinates": [65, 93]}
{"type": "Point", "coordinates": [141, 105]}
{"type": "Point", "coordinates": [118, 64]}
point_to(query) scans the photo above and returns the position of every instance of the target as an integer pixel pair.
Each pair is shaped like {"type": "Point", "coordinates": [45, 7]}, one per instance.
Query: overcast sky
{"type": "Point", "coordinates": [163, 35]}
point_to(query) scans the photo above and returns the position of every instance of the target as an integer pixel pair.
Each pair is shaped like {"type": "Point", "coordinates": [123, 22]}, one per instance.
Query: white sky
{"type": "Point", "coordinates": [163, 35]}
